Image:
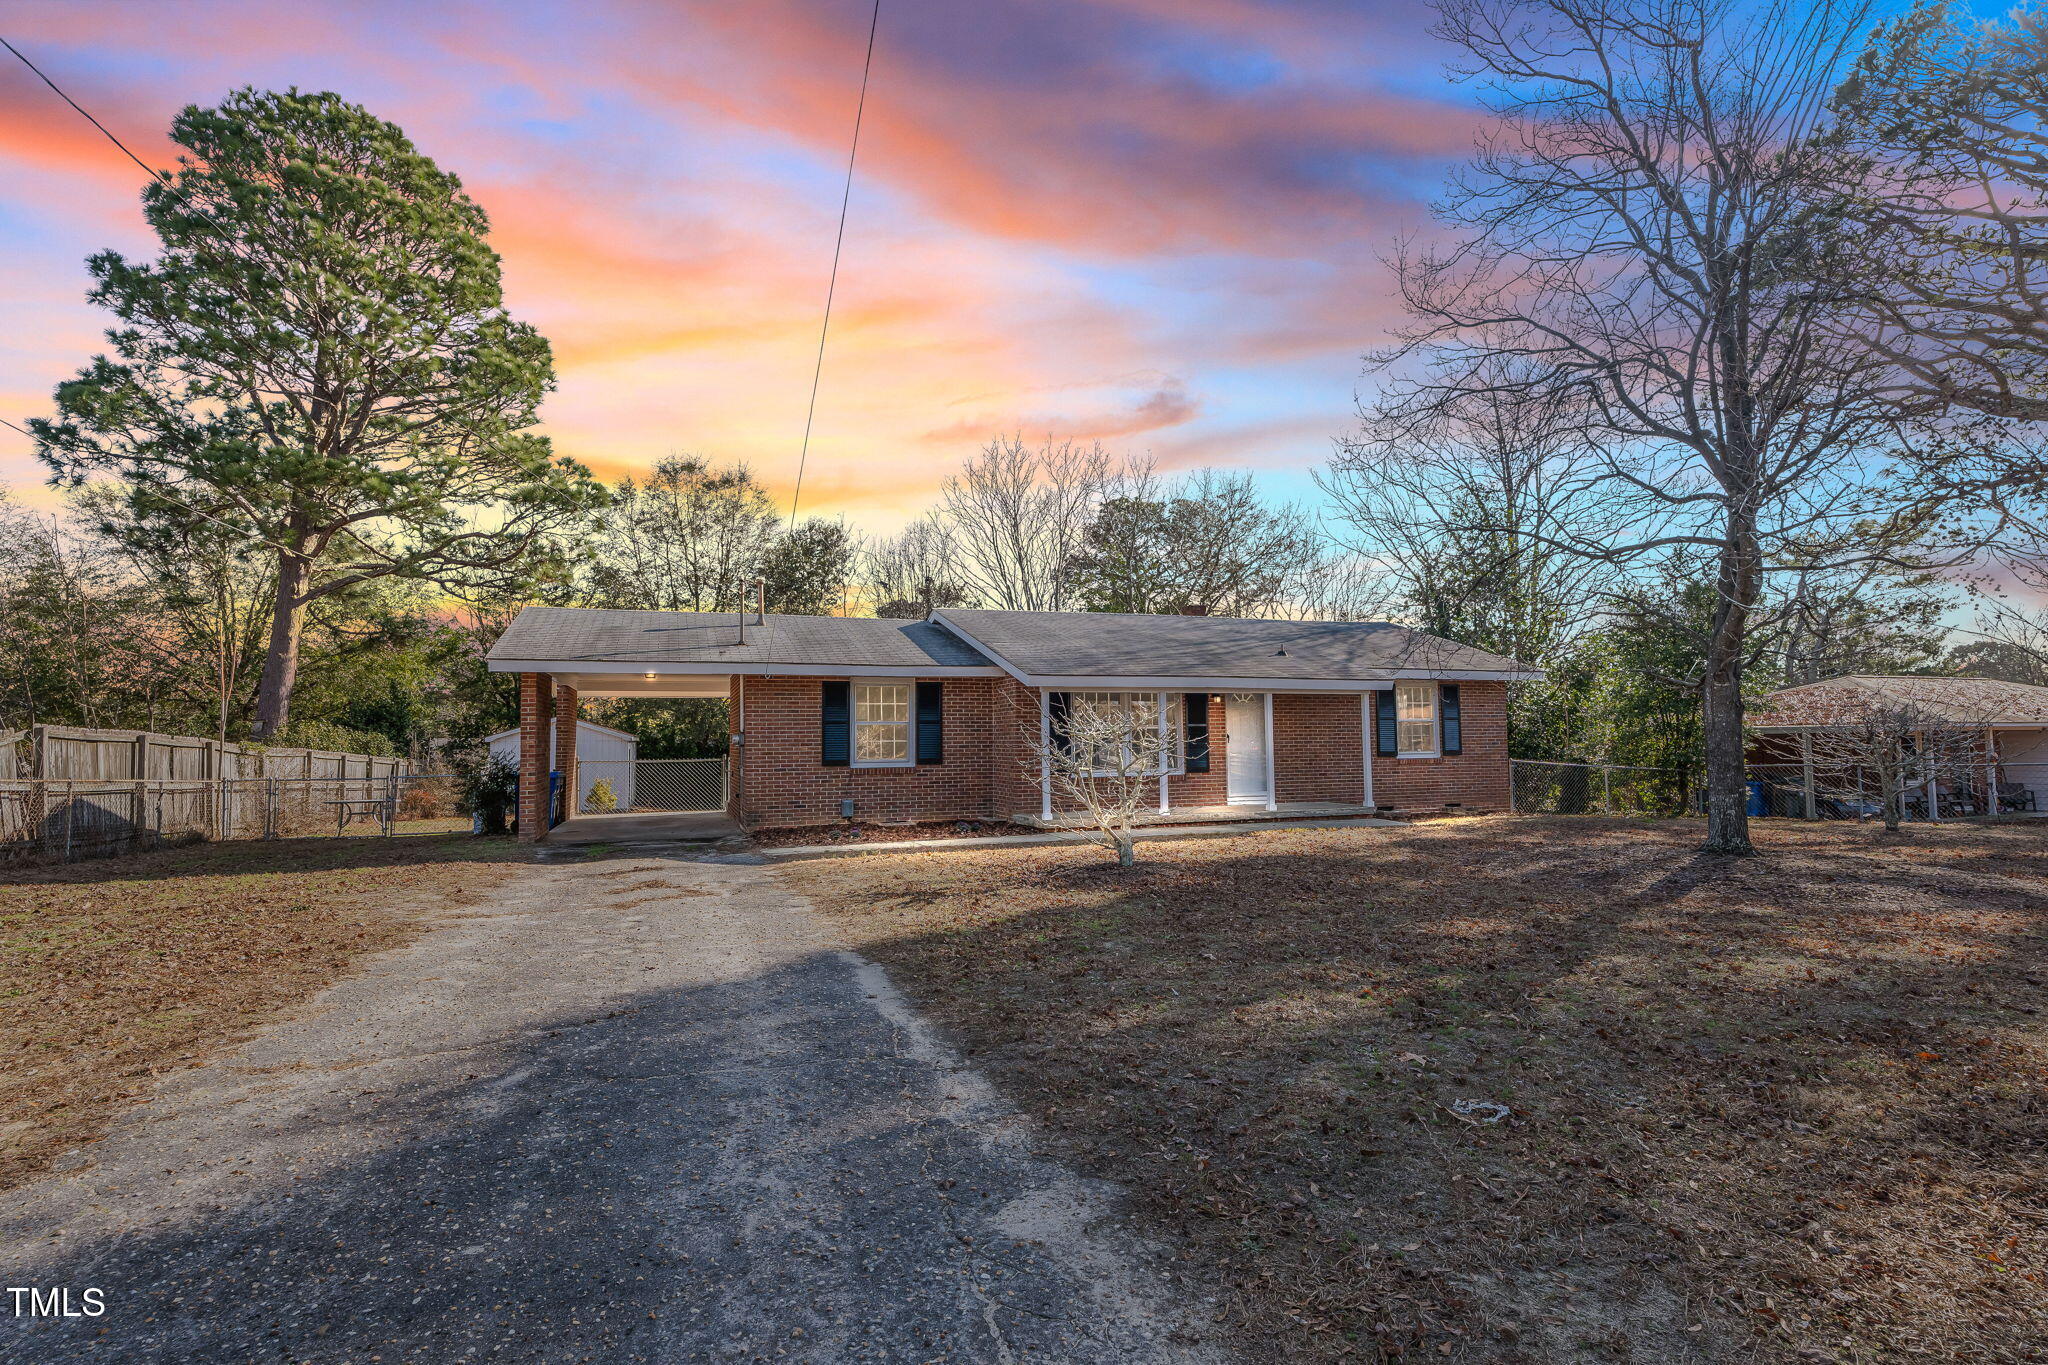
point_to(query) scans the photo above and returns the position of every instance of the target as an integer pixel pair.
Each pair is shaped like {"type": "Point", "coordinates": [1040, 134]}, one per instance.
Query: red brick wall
{"type": "Point", "coordinates": [1316, 755]}
{"type": "Point", "coordinates": [990, 772]}
{"type": "Point", "coordinates": [565, 746]}
{"type": "Point", "coordinates": [536, 718]}
{"type": "Point", "coordinates": [1014, 784]}
{"type": "Point", "coordinates": [1477, 779]}
{"type": "Point", "coordinates": [782, 782]}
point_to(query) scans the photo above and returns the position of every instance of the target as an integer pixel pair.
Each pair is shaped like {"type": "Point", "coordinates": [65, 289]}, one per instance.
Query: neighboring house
{"type": "Point", "coordinates": [2013, 719]}
{"type": "Point", "coordinates": [880, 720]}
{"type": "Point", "coordinates": [601, 752]}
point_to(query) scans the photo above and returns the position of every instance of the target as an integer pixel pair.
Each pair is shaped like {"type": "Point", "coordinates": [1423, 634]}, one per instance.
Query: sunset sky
{"type": "Point", "coordinates": [1154, 222]}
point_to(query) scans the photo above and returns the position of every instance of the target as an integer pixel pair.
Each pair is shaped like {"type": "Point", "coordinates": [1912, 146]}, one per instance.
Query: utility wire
{"type": "Point", "coordinates": [156, 176]}
{"type": "Point", "coordinates": [151, 171]}
{"type": "Point", "coordinates": [832, 284]}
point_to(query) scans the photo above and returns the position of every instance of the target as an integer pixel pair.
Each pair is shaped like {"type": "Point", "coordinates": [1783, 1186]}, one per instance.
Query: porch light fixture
{"type": "Point", "coordinates": [648, 676]}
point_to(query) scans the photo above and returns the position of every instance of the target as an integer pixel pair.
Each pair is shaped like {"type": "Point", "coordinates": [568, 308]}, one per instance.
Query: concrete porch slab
{"type": "Point", "coordinates": [1213, 815]}
{"type": "Point", "coordinates": [1235, 830]}
{"type": "Point", "coordinates": [642, 827]}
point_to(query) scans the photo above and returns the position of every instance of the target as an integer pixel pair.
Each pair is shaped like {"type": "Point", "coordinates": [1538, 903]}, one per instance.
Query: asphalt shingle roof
{"type": "Point", "coordinates": [594, 635]}
{"type": "Point", "coordinates": [1967, 701]}
{"type": "Point", "coordinates": [1100, 644]}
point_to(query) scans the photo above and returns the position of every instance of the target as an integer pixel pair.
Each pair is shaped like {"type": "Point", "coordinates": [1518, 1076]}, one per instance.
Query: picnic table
{"type": "Point", "coordinates": [348, 809]}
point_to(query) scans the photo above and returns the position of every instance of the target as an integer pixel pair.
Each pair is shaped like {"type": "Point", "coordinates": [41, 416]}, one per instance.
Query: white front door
{"type": "Point", "coordinates": [1244, 747]}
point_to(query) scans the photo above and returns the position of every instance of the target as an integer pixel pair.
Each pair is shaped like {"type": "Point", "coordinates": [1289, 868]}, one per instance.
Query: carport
{"type": "Point", "coordinates": [550, 702]}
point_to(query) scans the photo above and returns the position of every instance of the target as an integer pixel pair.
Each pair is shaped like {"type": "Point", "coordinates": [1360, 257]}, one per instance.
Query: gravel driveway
{"type": "Point", "coordinates": [631, 1109]}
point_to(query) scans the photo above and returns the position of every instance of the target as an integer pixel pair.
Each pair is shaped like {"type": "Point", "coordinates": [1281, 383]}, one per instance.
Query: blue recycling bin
{"type": "Point", "coordinates": [1759, 804]}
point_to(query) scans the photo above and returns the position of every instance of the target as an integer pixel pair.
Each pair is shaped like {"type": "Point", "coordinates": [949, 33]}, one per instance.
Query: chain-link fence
{"type": "Point", "coordinates": [654, 784]}
{"type": "Point", "coordinates": [61, 819]}
{"type": "Point", "coordinates": [1546, 788]}
{"type": "Point", "coordinates": [1952, 791]}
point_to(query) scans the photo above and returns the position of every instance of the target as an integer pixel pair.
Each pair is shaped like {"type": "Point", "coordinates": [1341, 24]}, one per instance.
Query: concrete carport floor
{"type": "Point", "coordinates": [643, 827]}
{"type": "Point", "coordinates": [628, 1109]}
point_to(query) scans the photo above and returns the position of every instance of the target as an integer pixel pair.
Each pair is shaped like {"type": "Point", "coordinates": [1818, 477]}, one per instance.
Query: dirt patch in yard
{"type": "Point", "coordinates": [1530, 1090]}
{"type": "Point", "coordinates": [116, 972]}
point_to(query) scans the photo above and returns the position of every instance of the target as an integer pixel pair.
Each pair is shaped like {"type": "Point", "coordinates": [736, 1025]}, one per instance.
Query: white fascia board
{"type": "Point", "coordinates": [752, 670]}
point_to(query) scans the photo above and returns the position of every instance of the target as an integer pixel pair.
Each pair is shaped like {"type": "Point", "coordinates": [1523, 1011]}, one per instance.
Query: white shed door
{"type": "Point", "coordinates": [1244, 747]}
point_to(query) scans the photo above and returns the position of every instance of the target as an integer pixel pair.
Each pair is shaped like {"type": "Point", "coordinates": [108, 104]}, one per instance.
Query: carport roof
{"type": "Point", "coordinates": [1963, 701]}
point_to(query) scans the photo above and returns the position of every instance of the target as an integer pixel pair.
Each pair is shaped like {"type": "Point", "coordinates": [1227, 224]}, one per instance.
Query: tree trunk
{"type": "Point", "coordinates": [1126, 850]}
{"type": "Point", "coordinates": [1721, 692]}
{"type": "Point", "coordinates": [281, 660]}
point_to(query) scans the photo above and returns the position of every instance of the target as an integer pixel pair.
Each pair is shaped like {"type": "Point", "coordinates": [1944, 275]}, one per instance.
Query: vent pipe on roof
{"type": "Point", "coordinates": [1192, 610]}
{"type": "Point", "coordinates": [761, 601]}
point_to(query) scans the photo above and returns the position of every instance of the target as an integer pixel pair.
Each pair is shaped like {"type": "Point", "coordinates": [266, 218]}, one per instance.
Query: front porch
{"type": "Point", "coordinates": [1207, 815]}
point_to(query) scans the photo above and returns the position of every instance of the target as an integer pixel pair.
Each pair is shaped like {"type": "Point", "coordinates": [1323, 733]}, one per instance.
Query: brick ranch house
{"type": "Point", "coordinates": [890, 721]}
{"type": "Point", "coordinates": [2008, 721]}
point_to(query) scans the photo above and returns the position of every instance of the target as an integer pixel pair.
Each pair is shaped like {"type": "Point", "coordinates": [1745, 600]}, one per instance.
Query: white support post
{"type": "Point", "coordinates": [1272, 795]}
{"type": "Point", "coordinates": [1045, 755]}
{"type": "Point", "coordinates": [1165, 756]}
{"type": "Point", "coordinates": [1806, 771]}
{"type": "Point", "coordinates": [1365, 745]}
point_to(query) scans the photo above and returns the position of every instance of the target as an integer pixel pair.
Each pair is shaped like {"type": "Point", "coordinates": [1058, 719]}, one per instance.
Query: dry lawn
{"type": "Point", "coordinates": [1782, 1108]}
{"type": "Point", "coordinates": [113, 973]}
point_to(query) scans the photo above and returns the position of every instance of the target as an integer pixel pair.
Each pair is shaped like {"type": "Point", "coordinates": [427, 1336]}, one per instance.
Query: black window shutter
{"type": "Point", "coordinates": [1195, 706]}
{"type": "Point", "coordinates": [1056, 704]}
{"type": "Point", "coordinates": [835, 726]}
{"type": "Point", "coordinates": [1447, 716]}
{"type": "Point", "coordinates": [931, 723]}
{"type": "Point", "coordinates": [1386, 738]}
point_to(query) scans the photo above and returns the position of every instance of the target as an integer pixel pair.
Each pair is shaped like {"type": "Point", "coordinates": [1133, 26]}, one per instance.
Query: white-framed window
{"type": "Point", "coordinates": [881, 725]}
{"type": "Point", "coordinates": [1158, 712]}
{"type": "Point", "coordinates": [1415, 719]}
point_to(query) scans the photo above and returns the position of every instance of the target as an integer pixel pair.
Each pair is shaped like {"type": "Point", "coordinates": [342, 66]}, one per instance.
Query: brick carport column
{"type": "Point", "coordinates": [536, 714]}
{"type": "Point", "coordinates": [565, 746]}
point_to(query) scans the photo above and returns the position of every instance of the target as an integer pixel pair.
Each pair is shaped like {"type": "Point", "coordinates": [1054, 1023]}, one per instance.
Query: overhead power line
{"type": "Point", "coordinates": [149, 170]}
{"type": "Point", "coordinates": [832, 284]}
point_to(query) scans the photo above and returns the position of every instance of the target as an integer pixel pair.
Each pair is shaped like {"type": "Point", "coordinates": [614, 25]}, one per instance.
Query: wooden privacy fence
{"type": "Point", "coordinates": [75, 754]}
{"type": "Point", "coordinates": [68, 792]}
{"type": "Point", "coordinates": [61, 819]}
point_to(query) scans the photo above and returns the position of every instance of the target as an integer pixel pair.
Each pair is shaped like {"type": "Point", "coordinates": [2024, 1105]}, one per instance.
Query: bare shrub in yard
{"type": "Point", "coordinates": [1897, 747]}
{"type": "Point", "coordinates": [1105, 753]}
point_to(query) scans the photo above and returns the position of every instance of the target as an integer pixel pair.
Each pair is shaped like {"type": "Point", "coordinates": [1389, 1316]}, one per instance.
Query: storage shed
{"type": "Point", "coordinates": [601, 752]}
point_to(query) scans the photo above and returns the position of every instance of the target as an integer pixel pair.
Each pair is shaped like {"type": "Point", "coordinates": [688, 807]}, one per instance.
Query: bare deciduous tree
{"type": "Point", "coordinates": [1640, 229]}
{"type": "Point", "coordinates": [1463, 503]}
{"type": "Point", "coordinates": [1206, 541]}
{"type": "Point", "coordinates": [1016, 514]}
{"type": "Point", "coordinates": [1897, 747]}
{"type": "Point", "coordinates": [1105, 755]}
{"type": "Point", "coordinates": [1953, 115]}
{"type": "Point", "coordinates": [901, 574]}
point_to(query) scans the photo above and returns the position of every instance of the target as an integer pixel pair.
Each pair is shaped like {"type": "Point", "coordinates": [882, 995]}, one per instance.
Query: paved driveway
{"type": "Point", "coordinates": [636, 1109]}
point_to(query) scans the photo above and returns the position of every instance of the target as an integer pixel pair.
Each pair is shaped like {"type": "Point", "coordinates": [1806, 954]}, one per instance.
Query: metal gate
{"type": "Point", "coordinates": [677, 784]}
